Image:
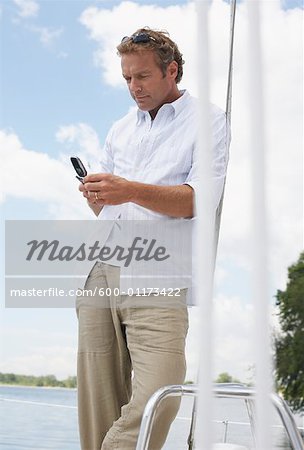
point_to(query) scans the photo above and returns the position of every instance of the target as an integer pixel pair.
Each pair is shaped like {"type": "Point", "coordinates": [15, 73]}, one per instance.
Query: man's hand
{"type": "Point", "coordinates": [107, 189]}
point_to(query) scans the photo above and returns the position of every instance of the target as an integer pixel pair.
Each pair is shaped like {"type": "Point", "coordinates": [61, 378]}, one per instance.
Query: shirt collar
{"type": "Point", "coordinates": [177, 106]}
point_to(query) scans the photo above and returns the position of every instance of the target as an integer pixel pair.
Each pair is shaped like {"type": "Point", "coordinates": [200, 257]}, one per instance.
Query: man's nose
{"type": "Point", "coordinates": [135, 87]}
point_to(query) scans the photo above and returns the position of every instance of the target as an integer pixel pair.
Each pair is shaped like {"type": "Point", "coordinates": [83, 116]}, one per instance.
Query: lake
{"type": "Point", "coordinates": [46, 418]}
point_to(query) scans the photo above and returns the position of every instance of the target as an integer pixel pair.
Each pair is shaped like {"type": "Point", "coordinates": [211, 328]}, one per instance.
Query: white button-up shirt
{"type": "Point", "coordinates": [162, 152]}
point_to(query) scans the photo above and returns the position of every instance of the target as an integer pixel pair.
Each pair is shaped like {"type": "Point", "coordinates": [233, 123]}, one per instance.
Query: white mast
{"type": "Point", "coordinates": [208, 225]}
{"type": "Point", "coordinates": [204, 240]}
{"type": "Point", "coordinates": [259, 229]}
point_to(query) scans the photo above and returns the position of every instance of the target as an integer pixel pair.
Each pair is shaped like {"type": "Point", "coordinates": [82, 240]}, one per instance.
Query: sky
{"type": "Point", "coordinates": [61, 89]}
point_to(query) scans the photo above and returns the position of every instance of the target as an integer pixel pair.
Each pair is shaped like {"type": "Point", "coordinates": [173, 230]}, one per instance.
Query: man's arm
{"type": "Point", "coordinates": [174, 201]}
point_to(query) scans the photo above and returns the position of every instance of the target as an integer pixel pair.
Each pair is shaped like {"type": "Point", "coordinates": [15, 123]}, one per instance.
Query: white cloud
{"type": "Point", "coordinates": [34, 352]}
{"type": "Point", "coordinates": [60, 361]}
{"type": "Point", "coordinates": [107, 27]}
{"type": "Point", "coordinates": [233, 351]}
{"type": "Point", "coordinates": [283, 58]}
{"type": "Point", "coordinates": [27, 8]}
{"type": "Point", "coordinates": [38, 177]}
{"type": "Point", "coordinates": [83, 139]}
{"type": "Point", "coordinates": [62, 55]}
{"type": "Point", "coordinates": [233, 337]}
{"type": "Point", "coordinates": [282, 47]}
{"type": "Point", "coordinates": [47, 36]}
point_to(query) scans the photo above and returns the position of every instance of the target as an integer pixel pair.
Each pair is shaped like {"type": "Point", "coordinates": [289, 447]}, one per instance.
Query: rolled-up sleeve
{"type": "Point", "coordinates": [220, 134]}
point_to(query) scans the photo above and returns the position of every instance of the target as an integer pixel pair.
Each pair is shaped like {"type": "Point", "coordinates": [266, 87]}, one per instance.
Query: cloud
{"type": "Point", "coordinates": [27, 8]}
{"type": "Point", "coordinates": [107, 27]}
{"type": "Point", "coordinates": [281, 43]}
{"type": "Point", "coordinates": [40, 178]}
{"type": "Point", "coordinates": [233, 352]}
{"type": "Point", "coordinates": [47, 36]}
{"type": "Point", "coordinates": [40, 353]}
{"type": "Point", "coordinates": [84, 140]}
{"type": "Point", "coordinates": [233, 337]}
{"type": "Point", "coordinates": [59, 361]}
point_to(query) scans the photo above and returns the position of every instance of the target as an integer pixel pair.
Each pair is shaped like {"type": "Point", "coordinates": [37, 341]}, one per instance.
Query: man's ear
{"type": "Point", "coordinates": [172, 69]}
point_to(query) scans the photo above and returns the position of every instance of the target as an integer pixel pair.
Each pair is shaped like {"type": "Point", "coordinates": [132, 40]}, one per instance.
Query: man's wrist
{"type": "Point", "coordinates": [132, 191]}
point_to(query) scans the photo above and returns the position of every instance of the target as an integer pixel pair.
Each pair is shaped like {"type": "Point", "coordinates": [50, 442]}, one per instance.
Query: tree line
{"type": "Point", "coordinates": [71, 382]}
{"type": "Point", "coordinates": [40, 381]}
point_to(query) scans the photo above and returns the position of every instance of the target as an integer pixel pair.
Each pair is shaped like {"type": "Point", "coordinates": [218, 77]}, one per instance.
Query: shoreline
{"type": "Point", "coordinates": [37, 387]}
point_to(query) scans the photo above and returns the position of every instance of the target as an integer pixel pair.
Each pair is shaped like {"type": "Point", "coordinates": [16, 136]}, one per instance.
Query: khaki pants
{"type": "Point", "coordinates": [118, 335]}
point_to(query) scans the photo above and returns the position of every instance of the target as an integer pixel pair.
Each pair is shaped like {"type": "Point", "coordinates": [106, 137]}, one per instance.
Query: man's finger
{"type": "Point", "coordinates": [92, 187]}
{"type": "Point", "coordinates": [93, 177]}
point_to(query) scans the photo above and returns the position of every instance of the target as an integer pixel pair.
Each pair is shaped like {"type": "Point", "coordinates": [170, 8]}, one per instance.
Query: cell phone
{"type": "Point", "coordinates": [79, 167]}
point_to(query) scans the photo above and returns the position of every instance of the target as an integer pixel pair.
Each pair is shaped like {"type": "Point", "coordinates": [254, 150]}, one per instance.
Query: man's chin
{"type": "Point", "coordinates": [144, 104]}
{"type": "Point", "coordinates": [143, 108]}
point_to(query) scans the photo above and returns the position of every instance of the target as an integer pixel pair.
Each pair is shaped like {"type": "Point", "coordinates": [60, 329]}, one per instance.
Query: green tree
{"type": "Point", "coordinates": [70, 382]}
{"type": "Point", "coordinates": [50, 380]}
{"type": "Point", "coordinates": [289, 345]}
{"type": "Point", "coordinates": [41, 381]}
{"type": "Point", "coordinates": [225, 377]}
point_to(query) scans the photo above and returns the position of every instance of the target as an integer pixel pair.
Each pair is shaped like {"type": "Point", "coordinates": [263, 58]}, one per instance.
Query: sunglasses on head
{"type": "Point", "coordinates": [139, 38]}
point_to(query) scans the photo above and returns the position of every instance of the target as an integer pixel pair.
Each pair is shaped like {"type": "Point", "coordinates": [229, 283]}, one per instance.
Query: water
{"type": "Point", "coordinates": [38, 426]}
{"type": "Point", "coordinates": [44, 419]}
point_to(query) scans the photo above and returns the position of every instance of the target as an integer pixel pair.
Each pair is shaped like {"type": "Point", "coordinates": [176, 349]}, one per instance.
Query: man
{"type": "Point", "coordinates": [149, 171]}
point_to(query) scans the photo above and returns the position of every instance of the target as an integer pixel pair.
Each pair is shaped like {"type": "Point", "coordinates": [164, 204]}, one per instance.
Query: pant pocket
{"type": "Point", "coordinates": [96, 330]}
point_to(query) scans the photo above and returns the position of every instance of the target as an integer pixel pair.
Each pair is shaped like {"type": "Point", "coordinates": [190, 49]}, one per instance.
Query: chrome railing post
{"type": "Point", "coordinates": [250, 412]}
{"type": "Point", "coordinates": [151, 408]}
{"type": "Point", "coordinates": [220, 391]}
{"type": "Point", "coordinates": [288, 421]}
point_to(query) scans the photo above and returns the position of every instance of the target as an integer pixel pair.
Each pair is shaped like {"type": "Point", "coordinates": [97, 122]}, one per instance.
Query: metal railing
{"type": "Point", "coordinates": [226, 390]}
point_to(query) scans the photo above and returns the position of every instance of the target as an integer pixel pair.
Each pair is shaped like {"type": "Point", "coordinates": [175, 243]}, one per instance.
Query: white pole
{"type": "Point", "coordinates": [204, 240]}
{"type": "Point", "coordinates": [259, 234]}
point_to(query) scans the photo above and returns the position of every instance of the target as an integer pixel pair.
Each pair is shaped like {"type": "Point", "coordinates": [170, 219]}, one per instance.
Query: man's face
{"type": "Point", "coordinates": [146, 82]}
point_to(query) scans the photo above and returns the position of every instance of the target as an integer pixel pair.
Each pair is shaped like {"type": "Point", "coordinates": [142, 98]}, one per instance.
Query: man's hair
{"type": "Point", "coordinates": [164, 48]}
